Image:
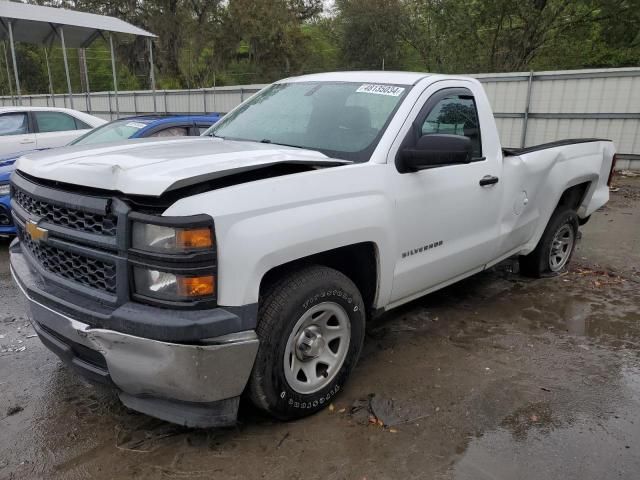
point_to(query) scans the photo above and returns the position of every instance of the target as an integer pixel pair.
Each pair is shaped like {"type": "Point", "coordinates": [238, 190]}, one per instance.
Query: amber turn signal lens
{"type": "Point", "coordinates": [196, 286]}
{"type": "Point", "coordinates": [194, 238]}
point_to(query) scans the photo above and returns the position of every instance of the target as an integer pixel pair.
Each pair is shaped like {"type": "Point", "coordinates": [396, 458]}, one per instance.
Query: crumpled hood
{"type": "Point", "coordinates": [151, 167]}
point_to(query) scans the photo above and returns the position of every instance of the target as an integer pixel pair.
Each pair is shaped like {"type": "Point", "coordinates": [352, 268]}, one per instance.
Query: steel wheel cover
{"type": "Point", "coordinates": [317, 347]}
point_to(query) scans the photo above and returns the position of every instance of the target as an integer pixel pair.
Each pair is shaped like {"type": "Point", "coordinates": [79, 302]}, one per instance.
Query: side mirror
{"type": "Point", "coordinates": [437, 149]}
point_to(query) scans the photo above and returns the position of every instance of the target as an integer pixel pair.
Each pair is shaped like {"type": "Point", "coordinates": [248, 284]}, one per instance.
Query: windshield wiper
{"type": "Point", "coordinates": [266, 140]}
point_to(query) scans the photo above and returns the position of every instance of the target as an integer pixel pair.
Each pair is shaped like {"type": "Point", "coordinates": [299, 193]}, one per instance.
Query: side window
{"type": "Point", "coordinates": [455, 115]}
{"type": "Point", "coordinates": [54, 122]}
{"type": "Point", "coordinates": [13, 124]}
{"type": "Point", "coordinates": [80, 125]}
{"type": "Point", "coordinates": [172, 132]}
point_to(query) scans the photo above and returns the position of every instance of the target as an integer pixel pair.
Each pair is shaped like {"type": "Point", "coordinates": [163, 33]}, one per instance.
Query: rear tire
{"type": "Point", "coordinates": [555, 248]}
{"type": "Point", "coordinates": [311, 327]}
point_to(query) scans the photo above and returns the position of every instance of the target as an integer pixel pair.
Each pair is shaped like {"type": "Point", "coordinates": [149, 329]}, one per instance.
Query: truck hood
{"type": "Point", "coordinates": [152, 167]}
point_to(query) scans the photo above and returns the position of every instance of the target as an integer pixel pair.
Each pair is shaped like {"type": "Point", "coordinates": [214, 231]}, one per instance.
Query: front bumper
{"type": "Point", "coordinates": [194, 384]}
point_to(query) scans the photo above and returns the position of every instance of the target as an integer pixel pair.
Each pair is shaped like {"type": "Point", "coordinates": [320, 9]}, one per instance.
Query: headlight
{"type": "Point", "coordinates": [172, 286]}
{"type": "Point", "coordinates": [163, 239]}
{"type": "Point", "coordinates": [4, 189]}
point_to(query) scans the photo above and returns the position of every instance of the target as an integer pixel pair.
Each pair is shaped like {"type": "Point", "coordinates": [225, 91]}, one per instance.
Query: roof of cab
{"type": "Point", "coordinates": [396, 78]}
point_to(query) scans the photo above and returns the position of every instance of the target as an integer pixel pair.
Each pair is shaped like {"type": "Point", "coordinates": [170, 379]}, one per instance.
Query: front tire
{"type": "Point", "coordinates": [555, 248]}
{"type": "Point", "coordinates": [311, 327]}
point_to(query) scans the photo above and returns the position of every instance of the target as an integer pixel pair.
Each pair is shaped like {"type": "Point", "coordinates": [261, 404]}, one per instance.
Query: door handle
{"type": "Point", "coordinates": [24, 142]}
{"type": "Point", "coordinates": [488, 180]}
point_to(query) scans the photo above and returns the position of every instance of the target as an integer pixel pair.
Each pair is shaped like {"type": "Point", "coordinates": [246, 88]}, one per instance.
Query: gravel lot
{"type": "Point", "coordinates": [498, 377]}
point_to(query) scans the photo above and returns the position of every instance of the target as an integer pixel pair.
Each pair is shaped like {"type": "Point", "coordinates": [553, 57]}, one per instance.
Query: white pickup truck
{"type": "Point", "coordinates": [186, 273]}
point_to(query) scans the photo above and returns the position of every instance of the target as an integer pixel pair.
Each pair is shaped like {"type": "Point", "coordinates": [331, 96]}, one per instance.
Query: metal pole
{"type": "Point", "coordinates": [214, 93]}
{"type": "Point", "coordinates": [115, 80]}
{"type": "Point", "coordinates": [6, 63]}
{"type": "Point", "coordinates": [83, 53]}
{"type": "Point", "coordinates": [46, 59]}
{"type": "Point", "coordinates": [66, 65]}
{"type": "Point", "coordinates": [15, 64]}
{"type": "Point", "coordinates": [204, 99]}
{"type": "Point", "coordinates": [526, 112]}
{"type": "Point", "coordinates": [152, 74]}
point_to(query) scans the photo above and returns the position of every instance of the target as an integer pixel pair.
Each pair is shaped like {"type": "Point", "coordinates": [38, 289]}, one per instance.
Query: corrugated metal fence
{"type": "Point", "coordinates": [109, 106]}
{"type": "Point", "coordinates": [530, 108]}
{"type": "Point", "coordinates": [540, 107]}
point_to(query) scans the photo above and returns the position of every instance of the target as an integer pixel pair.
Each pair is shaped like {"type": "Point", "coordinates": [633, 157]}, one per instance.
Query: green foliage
{"type": "Point", "coordinates": [205, 42]}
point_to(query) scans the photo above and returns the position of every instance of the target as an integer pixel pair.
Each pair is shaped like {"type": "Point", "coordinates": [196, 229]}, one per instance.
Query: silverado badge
{"type": "Point", "coordinates": [36, 233]}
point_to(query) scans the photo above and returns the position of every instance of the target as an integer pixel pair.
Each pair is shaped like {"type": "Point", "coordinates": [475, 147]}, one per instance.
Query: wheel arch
{"type": "Point", "coordinates": [574, 196]}
{"type": "Point", "coordinates": [358, 261]}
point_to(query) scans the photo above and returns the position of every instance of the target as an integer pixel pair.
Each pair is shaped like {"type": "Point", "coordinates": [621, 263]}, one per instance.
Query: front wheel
{"type": "Point", "coordinates": [311, 327]}
{"type": "Point", "coordinates": [555, 248]}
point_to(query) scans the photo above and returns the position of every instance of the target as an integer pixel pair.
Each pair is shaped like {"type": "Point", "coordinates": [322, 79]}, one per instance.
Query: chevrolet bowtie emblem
{"type": "Point", "coordinates": [36, 233]}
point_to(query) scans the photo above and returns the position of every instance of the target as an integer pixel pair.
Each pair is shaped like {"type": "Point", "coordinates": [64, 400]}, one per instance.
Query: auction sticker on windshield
{"type": "Point", "coordinates": [136, 125]}
{"type": "Point", "coordinates": [389, 90]}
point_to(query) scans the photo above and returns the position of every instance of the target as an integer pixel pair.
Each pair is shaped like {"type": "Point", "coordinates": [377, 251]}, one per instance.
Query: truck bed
{"type": "Point", "coordinates": [514, 151]}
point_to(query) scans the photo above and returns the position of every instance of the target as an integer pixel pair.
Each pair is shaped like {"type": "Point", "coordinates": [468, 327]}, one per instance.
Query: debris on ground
{"type": "Point", "coordinates": [383, 412]}
{"type": "Point", "coordinates": [286, 435]}
{"type": "Point", "coordinates": [13, 410]}
{"type": "Point", "coordinates": [600, 277]}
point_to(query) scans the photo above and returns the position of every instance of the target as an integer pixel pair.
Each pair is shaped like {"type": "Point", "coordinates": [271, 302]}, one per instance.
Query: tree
{"type": "Point", "coordinates": [371, 33]}
{"type": "Point", "coordinates": [202, 42]}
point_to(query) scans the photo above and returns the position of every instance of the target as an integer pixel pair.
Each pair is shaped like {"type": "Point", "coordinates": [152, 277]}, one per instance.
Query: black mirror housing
{"type": "Point", "coordinates": [437, 149]}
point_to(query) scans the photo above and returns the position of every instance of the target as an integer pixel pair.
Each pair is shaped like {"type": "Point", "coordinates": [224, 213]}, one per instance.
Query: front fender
{"type": "Point", "coordinates": [265, 224]}
{"type": "Point", "coordinates": [250, 247]}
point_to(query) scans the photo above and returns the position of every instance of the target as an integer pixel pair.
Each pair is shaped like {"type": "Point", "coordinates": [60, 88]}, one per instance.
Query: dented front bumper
{"type": "Point", "coordinates": [195, 384]}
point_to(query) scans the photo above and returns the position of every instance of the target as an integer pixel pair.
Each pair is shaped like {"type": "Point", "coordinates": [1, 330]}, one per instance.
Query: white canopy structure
{"type": "Point", "coordinates": [20, 22]}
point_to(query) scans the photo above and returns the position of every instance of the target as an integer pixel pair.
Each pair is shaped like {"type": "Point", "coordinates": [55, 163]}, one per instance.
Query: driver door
{"type": "Point", "coordinates": [446, 221]}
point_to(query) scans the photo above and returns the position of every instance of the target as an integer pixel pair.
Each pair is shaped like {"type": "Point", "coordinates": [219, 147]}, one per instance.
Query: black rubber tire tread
{"type": "Point", "coordinates": [536, 264]}
{"type": "Point", "coordinates": [280, 308]}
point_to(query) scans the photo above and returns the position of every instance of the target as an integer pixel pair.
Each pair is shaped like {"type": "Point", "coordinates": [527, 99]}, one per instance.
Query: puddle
{"type": "Point", "coordinates": [536, 442]}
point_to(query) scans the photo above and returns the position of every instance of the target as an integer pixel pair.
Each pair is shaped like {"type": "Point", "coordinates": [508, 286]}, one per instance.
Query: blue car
{"type": "Point", "coordinates": [118, 130]}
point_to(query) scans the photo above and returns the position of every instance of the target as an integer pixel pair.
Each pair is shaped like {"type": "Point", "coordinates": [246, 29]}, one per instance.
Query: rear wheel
{"type": "Point", "coordinates": [555, 248]}
{"type": "Point", "coordinates": [311, 330]}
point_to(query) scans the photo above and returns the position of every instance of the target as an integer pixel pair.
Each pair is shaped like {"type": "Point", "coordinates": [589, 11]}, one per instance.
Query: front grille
{"type": "Point", "coordinates": [67, 217]}
{"type": "Point", "coordinates": [5, 217]}
{"type": "Point", "coordinates": [84, 270]}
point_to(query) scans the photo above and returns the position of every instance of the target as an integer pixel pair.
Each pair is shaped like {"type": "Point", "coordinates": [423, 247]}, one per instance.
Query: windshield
{"type": "Point", "coordinates": [342, 120]}
{"type": "Point", "coordinates": [111, 132]}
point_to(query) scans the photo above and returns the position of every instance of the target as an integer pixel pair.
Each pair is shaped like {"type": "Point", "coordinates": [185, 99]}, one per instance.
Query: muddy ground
{"type": "Point", "coordinates": [498, 377]}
